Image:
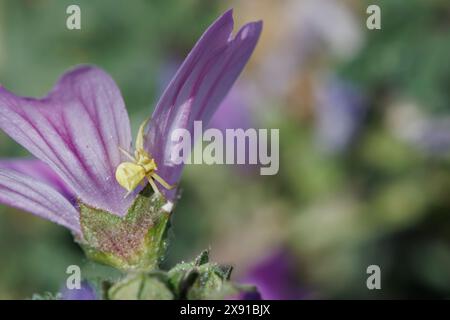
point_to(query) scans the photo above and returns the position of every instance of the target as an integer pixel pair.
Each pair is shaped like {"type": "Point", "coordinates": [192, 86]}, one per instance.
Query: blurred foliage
{"type": "Point", "coordinates": [410, 54]}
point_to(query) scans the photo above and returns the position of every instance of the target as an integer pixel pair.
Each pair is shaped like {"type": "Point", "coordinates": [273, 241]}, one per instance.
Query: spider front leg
{"type": "Point", "coordinates": [153, 184]}
{"type": "Point", "coordinates": [127, 194]}
{"type": "Point", "coordinates": [162, 181]}
{"type": "Point", "coordinates": [129, 156]}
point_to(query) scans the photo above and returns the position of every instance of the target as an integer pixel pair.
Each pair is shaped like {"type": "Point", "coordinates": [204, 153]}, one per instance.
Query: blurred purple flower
{"type": "Point", "coordinates": [435, 137]}
{"type": "Point", "coordinates": [309, 29]}
{"type": "Point", "coordinates": [78, 128]}
{"type": "Point", "coordinates": [340, 112]}
{"type": "Point", "coordinates": [86, 292]}
{"type": "Point", "coordinates": [233, 112]}
{"type": "Point", "coordinates": [275, 278]}
{"type": "Point", "coordinates": [428, 133]}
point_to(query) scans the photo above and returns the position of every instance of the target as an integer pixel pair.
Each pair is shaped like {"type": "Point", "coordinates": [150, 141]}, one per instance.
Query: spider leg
{"type": "Point", "coordinates": [153, 184]}
{"type": "Point", "coordinates": [129, 156]}
{"type": "Point", "coordinates": [162, 182]}
{"type": "Point", "coordinates": [140, 135]}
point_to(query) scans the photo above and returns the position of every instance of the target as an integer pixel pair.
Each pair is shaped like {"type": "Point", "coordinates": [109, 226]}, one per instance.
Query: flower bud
{"type": "Point", "coordinates": [133, 243]}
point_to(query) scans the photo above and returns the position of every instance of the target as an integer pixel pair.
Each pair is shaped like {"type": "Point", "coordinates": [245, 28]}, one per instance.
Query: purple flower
{"type": "Point", "coordinates": [77, 130]}
{"type": "Point", "coordinates": [275, 278]}
{"type": "Point", "coordinates": [198, 87]}
{"type": "Point", "coordinates": [86, 292]}
{"type": "Point", "coordinates": [340, 112]}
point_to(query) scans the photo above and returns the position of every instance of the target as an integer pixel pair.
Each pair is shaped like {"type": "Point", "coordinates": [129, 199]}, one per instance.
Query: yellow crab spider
{"type": "Point", "coordinates": [130, 174]}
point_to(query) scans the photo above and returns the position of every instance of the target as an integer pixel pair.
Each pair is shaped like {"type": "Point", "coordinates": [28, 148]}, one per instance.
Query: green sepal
{"type": "Point", "coordinates": [150, 286]}
{"type": "Point", "coordinates": [46, 296]}
{"type": "Point", "coordinates": [134, 243]}
{"type": "Point", "coordinates": [201, 279]}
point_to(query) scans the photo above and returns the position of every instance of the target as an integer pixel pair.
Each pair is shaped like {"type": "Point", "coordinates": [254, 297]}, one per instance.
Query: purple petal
{"type": "Point", "coordinates": [198, 87]}
{"type": "Point", "coordinates": [77, 130]}
{"type": "Point", "coordinates": [38, 170]}
{"type": "Point", "coordinates": [23, 192]}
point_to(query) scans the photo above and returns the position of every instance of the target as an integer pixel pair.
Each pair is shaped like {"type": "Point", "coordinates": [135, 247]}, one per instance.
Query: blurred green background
{"type": "Point", "coordinates": [364, 121]}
